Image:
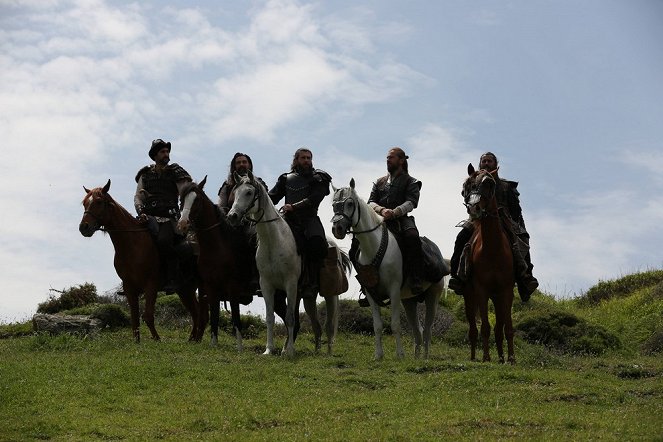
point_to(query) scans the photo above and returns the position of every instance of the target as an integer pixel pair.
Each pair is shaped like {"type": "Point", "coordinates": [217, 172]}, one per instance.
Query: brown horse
{"type": "Point", "coordinates": [491, 261]}
{"type": "Point", "coordinates": [225, 260]}
{"type": "Point", "coordinates": [136, 258]}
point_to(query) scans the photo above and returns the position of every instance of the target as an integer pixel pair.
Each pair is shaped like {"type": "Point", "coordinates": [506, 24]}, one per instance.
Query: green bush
{"type": "Point", "coordinates": [252, 325]}
{"type": "Point", "coordinates": [654, 344]}
{"type": "Point", "coordinates": [70, 298]}
{"type": "Point", "coordinates": [566, 332]}
{"type": "Point", "coordinates": [169, 311]}
{"type": "Point", "coordinates": [354, 318]}
{"type": "Point", "coordinates": [15, 330]}
{"type": "Point", "coordinates": [111, 315]}
{"type": "Point", "coordinates": [621, 287]}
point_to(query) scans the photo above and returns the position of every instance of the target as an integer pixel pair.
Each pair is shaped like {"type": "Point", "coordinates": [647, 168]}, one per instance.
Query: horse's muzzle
{"type": "Point", "coordinates": [233, 218]}
{"type": "Point", "coordinates": [339, 229]}
{"type": "Point", "coordinates": [86, 230]}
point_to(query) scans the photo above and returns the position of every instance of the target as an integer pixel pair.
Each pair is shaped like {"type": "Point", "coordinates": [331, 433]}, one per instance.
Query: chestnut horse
{"type": "Point", "coordinates": [225, 257]}
{"type": "Point", "coordinates": [491, 262]}
{"type": "Point", "coordinates": [136, 258]}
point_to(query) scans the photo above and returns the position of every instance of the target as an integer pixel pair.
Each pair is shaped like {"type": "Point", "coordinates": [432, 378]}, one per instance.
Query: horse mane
{"type": "Point", "coordinates": [192, 186]}
{"type": "Point", "coordinates": [374, 216]}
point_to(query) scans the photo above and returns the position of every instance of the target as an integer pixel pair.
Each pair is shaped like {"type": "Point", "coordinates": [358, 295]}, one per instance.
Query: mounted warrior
{"type": "Point", "coordinates": [156, 201]}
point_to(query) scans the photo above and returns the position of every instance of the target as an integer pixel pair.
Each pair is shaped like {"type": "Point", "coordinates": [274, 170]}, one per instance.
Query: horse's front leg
{"type": "Point", "coordinates": [377, 328]}
{"type": "Point", "coordinates": [331, 324]}
{"type": "Point", "coordinates": [410, 306]}
{"type": "Point", "coordinates": [471, 315]}
{"type": "Point", "coordinates": [311, 309]}
{"type": "Point", "coordinates": [134, 311]}
{"type": "Point", "coordinates": [148, 314]}
{"type": "Point", "coordinates": [214, 311]}
{"type": "Point", "coordinates": [268, 296]}
{"type": "Point", "coordinates": [485, 328]}
{"type": "Point", "coordinates": [188, 299]}
{"type": "Point", "coordinates": [508, 328]}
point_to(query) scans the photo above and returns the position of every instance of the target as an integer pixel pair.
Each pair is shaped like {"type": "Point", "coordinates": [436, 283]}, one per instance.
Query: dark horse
{"type": "Point", "coordinates": [136, 258]}
{"type": "Point", "coordinates": [491, 262]}
{"type": "Point", "coordinates": [225, 260]}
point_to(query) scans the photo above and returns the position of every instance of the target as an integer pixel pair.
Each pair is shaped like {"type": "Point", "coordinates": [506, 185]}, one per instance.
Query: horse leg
{"type": "Point", "coordinates": [148, 314]}
{"type": "Point", "coordinates": [188, 299]}
{"type": "Point", "coordinates": [485, 327]}
{"type": "Point", "coordinates": [396, 323]}
{"type": "Point", "coordinates": [410, 306]}
{"type": "Point", "coordinates": [291, 311]}
{"type": "Point", "coordinates": [331, 324]}
{"type": "Point", "coordinates": [499, 329]}
{"type": "Point", "coordinates": [268, 297]}
{"type": "Point", "coordinates": [471, 315]}
{"type": "Point", "coordinates": [432, 300]}
{"type": "Point", "coordinates": [377, 328]}
{"type": "Point", "coordinates": [203, 314]}
{"type": "Point", "coordinates": [311, 309]}
{"type": "Point", "coordinates": [237, 323]}
{"type": "Point", "coordinates": [214, 312]}
{"type": "Point", "coordinates": [132, 299]}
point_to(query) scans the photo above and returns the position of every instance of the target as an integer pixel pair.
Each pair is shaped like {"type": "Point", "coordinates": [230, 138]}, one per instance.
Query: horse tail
{"type": "Point", "coordinates": [345, 262]}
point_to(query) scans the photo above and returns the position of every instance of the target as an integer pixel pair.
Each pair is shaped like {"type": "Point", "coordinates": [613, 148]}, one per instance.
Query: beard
{"type": "Point", "coordinates": [305, 171]}
{"type": "Point", "coordinates": [391, 168]}
{"type": "Point", "coordinates": [242, 170]}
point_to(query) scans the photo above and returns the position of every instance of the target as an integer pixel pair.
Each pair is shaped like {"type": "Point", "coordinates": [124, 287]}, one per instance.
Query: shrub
{"type": "Point", "coordinates": [111, 315]}
{"type": "Point", "coordinates": [354, 318]}
{"type": "Point", "coordinates": [70, 298]}
{"type": "Point", "coordinates": [252, 325]}
{"type": "Point", "coordinates": [621, 287]}
{"type": "Point", "coordinates": [15, 330]}
{"type": "Point", "coordinates": [654, 344]}
{"type": "Point", "coordinates": [566, 332]}
{"type": "Point", "coordinates": [170, 311]}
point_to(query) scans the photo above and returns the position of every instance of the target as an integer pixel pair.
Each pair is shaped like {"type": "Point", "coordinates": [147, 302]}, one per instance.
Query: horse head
{"type": "Point", "coordinates": [346, 210]}
{"type": "Point", "coordinates": [190, 203]}
{"type": "Point", "coordinates": [95, 205]}
{"type": "Point", "coordinates": [478, 191]}
{"type": "Point", "coordinates": [247, 192]}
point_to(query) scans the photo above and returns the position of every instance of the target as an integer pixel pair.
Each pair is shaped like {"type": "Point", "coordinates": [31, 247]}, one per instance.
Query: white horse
{"type": "Point", "coordinates": [278, 263]}
{"type": "Point", "coordinates": [378, 247]}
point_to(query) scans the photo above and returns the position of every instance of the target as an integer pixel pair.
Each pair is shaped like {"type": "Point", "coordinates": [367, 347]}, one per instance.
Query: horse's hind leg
{"type": "Point", "coordinates": [471, 315]}
{"type": "Point", "coordinates": [485, 328]}
{"type": "Point", "coordinates": [237, 324]}
{"type": "Point", "coordinates": [499, 330]}
{"type": "Point", "coordinates": [331, 324]}
{"type": "Point", "coordinates": [432, 301]}
{"type": "Point", "coordinates": [214, 311]}
{"type": "Point", "coordinates": [188, 299]}
{"type": "Point", "coordinates": [132, 299]}
{"type": "Point", "coordinates": [268, 297]}
{"type": "Point", "coordinates": [377, 328]}
{"type": "Point", "coordinates": [311, 309]}
{"type": "Point", "coordinates": [508, 329]}
{"type": "Point", "coordinates": [410, 306]}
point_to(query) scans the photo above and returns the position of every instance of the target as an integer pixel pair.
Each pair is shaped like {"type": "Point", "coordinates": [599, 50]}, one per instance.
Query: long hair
{"type": "Point", "coordinates": [400, 153]}
{"type": "Point", "coordinates": [231, 170]}
{"type": "Point", "coordinates": [293, 166]}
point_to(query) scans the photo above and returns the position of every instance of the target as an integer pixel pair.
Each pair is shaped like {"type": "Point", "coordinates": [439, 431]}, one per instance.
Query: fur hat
{"type": "Point", "coordinates": [157, 145]}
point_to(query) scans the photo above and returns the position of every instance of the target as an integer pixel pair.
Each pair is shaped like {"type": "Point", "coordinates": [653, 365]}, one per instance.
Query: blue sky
{"type": "Point", "coordinates": [568, 94]}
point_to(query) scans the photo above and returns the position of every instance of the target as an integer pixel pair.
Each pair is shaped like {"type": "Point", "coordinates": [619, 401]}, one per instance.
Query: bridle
{"type": "Point", "coordinates": [476, 193]}
{"type": "Point", "coordinates": [256, 197]}
{"type": "Point", "coordinates": [98, 219]}
{"type": "Point", "coordinates": [338, 208]}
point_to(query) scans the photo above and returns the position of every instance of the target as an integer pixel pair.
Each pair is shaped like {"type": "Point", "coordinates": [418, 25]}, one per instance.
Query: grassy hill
{"type": "Point", "coordinates": [587, 368]}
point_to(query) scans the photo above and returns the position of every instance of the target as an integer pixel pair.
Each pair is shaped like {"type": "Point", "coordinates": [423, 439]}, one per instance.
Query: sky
{"type": "Point", "coordinates": [567, 94]}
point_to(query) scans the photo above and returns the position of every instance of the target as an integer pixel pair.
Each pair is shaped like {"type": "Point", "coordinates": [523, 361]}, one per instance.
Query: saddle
{"type": "Point", "coordinates": [333, 281]}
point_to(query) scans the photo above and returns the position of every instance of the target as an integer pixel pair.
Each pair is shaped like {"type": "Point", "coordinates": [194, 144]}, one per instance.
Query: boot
{"type": "Point", "coordinates": [415, 263]}
{"type": "Point", "coordinates": [173, 277]}
{"type": "Point", "coordinates": [526, 286]}
{"type": "Point", "coordinates": [457, 285]}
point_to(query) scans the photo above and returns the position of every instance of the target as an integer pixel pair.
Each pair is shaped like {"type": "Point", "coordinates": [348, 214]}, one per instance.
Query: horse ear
{"type": "Point", "coordinates": [250, 175]}
{"type": "Point", "coordinates": [237, 177]}
{"type": "Point", "coordinates": [352, 183]}
{"type": "Point", "coordinates": [86, 190]}
{"type": "Point", "coordinates": [202, 183]}
{"type": "Point", "coordinates": [106, 187]}
{"type": "Point", "coordinates": [333, 187]}
{"type": "Point", "coordinates": [470, 169]}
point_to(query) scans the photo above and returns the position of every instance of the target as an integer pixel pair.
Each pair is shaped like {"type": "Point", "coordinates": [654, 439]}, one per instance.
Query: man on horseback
{"type": "Point", "coordinates": [394, 196]}
{"type": "Point", "coordinates": [241, 163]}
{"type": "Point", "coordinates": [157, 192]}
{"type": "Point", "coordinates": [508, 202]}
{"type": "Point", "coordinates": [304, 188]}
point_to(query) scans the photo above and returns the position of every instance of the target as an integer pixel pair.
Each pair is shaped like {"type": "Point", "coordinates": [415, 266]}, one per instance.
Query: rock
{"type": "Point", "coordinates": [57, 324]}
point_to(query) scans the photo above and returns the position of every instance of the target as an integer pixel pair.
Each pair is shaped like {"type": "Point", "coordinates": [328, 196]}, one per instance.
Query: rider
{"type": "Point", "coordinates": [157, 192]}
{"type": "Point", "coordinates": [508, 203]}
{"type": "Point", "coordinates": [241, 163]}
{"type": "Point", "coordinates": [304, 189]}
{"type": "Point", "coordinates": [393, 197]}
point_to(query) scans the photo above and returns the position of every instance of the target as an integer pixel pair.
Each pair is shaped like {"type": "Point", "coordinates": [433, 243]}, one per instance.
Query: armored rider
{"type": "Point", "coordinates": [304, 188]}
{"type": "Point", "coordinates": [156, 201]}
{"type": "Point", "coordinates": [240, 163]}
{"type": "Point", "coordinates": [393, 197]}
{"type": "Point", "coordinates": [508, 203]}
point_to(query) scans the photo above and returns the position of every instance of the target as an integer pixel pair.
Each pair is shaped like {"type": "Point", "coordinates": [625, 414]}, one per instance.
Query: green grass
{"type": "Point", "coordinates": [107, 388]}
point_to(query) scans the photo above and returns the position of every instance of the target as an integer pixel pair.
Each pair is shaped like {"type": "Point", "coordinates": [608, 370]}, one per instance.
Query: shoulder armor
{"type": "Point", "coordinates": [179, 172]}
{"type": "Point", "coordinates": [416, 182]}
{"type": "Point", "coordinates": [321, 175]}
{"type": "Point", "coordinates": [382, 180]}
{"type": "Point", "coordinates": [142, 171]}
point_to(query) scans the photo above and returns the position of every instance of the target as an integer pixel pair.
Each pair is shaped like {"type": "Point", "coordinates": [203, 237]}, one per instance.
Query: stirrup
{"type": "Point", "coordinates": [363, 302]}
{"type": "Point", "coordinates": [456, 285]}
